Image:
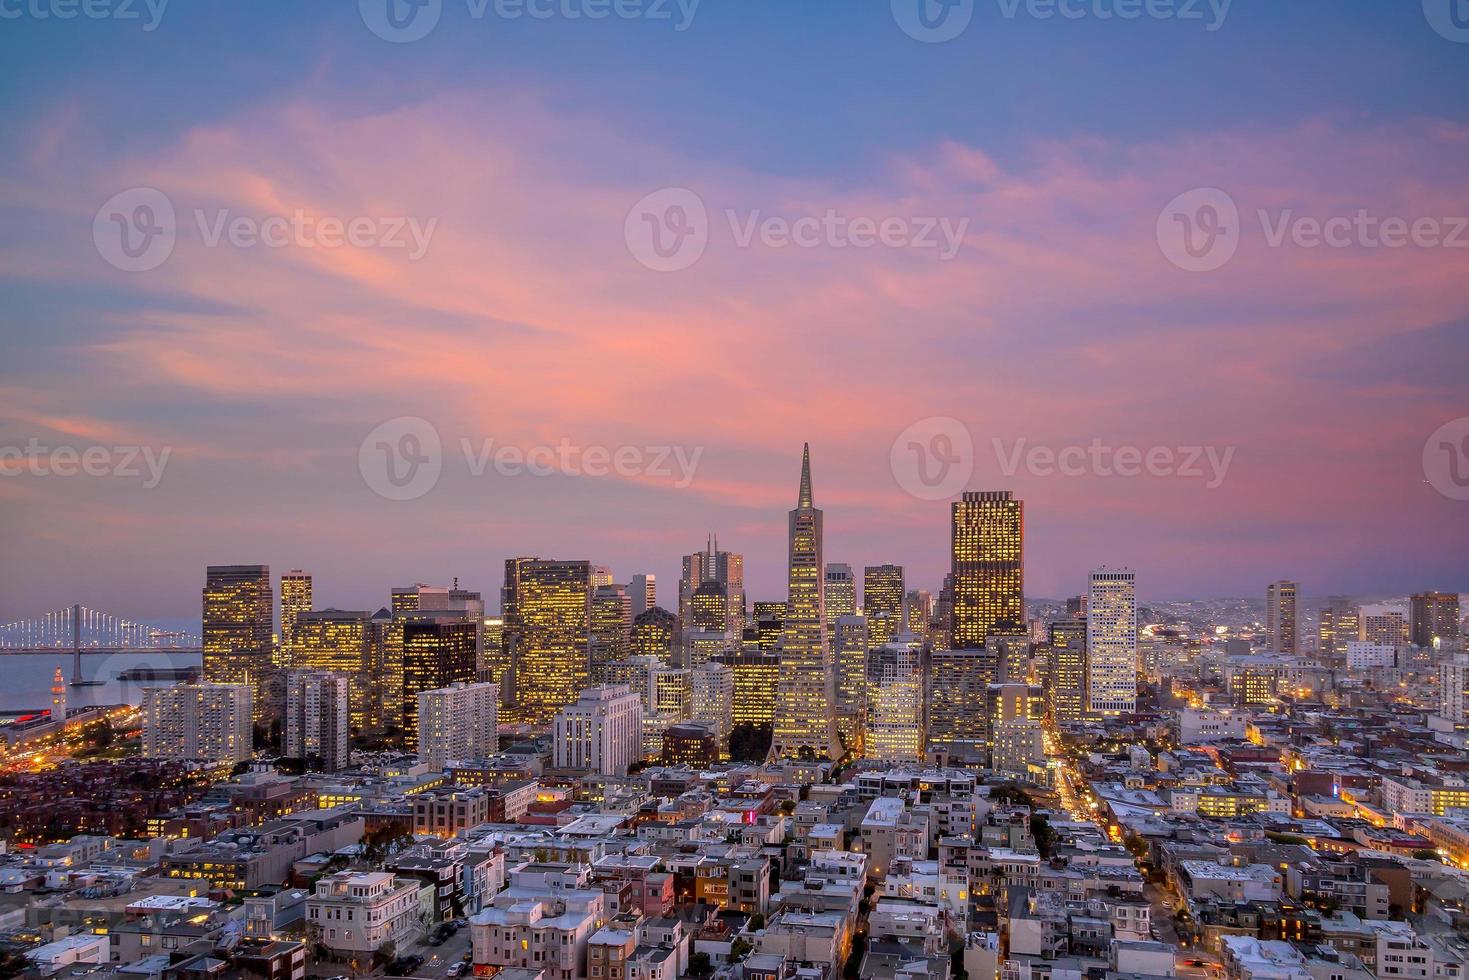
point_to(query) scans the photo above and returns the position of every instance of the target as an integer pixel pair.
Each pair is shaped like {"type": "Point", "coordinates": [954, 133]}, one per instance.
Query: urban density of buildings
{"type": "Point", "coordinates": [861, 780]}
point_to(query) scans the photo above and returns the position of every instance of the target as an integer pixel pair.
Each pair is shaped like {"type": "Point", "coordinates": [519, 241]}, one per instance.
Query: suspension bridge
{"type": "Point", "coordinates": [78, 629]}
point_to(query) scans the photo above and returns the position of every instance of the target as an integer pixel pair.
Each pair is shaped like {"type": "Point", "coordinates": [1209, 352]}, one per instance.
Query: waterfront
{"type": "Point", "coordinates": [28, 676]}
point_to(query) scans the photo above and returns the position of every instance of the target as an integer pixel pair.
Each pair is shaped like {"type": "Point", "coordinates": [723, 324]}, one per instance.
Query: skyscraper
{"type": "Point", "coordinates": [318, 719]}
{"type": "Point", "coordinates": [345, 643]}
{"type": "Point", "coordinates": [1435, 619]}
{"type": "Point", "coordinates": [552, 665]}
{"type": "Point", "coordinates": [457, 723]}
{"type": "Point", "coordinates": [437, 651]}
{"type": "Point", "coordinates": [655, 633]}
{"type": "Point", "coordinates": [804, 720]}
{"type": "Point", "coordinates": [610, 628]}
{"type": "Point", "coordinates": [601, 731]}
{"type": "Point", "coordinates": [756, 679]}
{"type": "Point", "coordinates": [918, 612]}
{"type": "Point", "coordinates": [1066, 671]}
{"type": "Point", "coordinates": [1341, 623]}
{"type": "Point", "coordinates": [724, 567]}
{"type": "Point", "coordinates": [1111, 643]}
{"type": "Point", "coordinates": [841, 593]}
{"type": "Point", "coordinates": [238, 624]}
{"type": "Point", "coordinates": [295, 598]}
{"type": "Point", "coordinates": [883, 596]}
{"type": "Point", "coordinates": [988, 548]}
{"type": "Point", "coordinates": [643, 590]}
{"type": "Point", "coordinates": [712, 632]}
{"type": "Point", "coordinates": [1280, 617]}
{"type": "Point", "coordinates": [957, 682]}
{"type": "Point", "coordinates": [711, 701]}
{"type": "Point", "coordinates": [850, 643]}
{"type": "Point", "coordinates": [895, 697]}
{"type": "Point", "coordinates": [1384, 625]}
{"type": "Point", "coordinates": [197, 721]}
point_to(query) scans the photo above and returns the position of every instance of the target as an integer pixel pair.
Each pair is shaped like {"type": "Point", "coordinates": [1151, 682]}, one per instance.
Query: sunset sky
{"type": "Point", "coordinates": [529, 320]}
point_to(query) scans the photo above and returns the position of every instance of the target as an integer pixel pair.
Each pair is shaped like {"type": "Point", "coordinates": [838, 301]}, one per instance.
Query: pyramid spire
{"type": "Point", "coordinates": [804, 500]}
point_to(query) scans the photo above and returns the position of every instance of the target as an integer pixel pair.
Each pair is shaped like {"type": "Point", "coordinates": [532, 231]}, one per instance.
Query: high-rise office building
{"type": "Point", "coordinates": [1280, 617]}
{"type": "Point", "coordinates": [850, 643]}
{"type": "Point", "coordinates": [600, 575]}
{"type": "Point", "coordinates": [841, 593]}
{"type": "Point", "coordinates": [1066, 671]}
{"type": "Point", "coordinates": [987, 538]}
{"type": "Point", "coordinates": [1384, 625]}
{"type": "Point", "coordinates": [712, 631]}
{"type": "Point", "coordinates": [238, 624]}
{"type": "Point", "coordinates": [711, 701]}
{"type": "Point", "coordinates": [437, 651]}
{"type": "Point", "coordinates": [198, 721]}
{"type": "Point", "coordinates": [656, 633]}
{"type": "Point", "coordinates": [756, 676]}
{"type": "Point", "coordinates": [458, 723]}
{"type": "Point", "coordinates": [895, 701]}
{"type": "Point", "coordinates": [770, 618]}
{"type": "Point", "coordinates": [295, 599]}
{"type": "Point", "coordinates": [1017, 744]}
{"type": "Point", "coordinates": [552, 664]}
{"type": "Point", "coordinates": [723, 567]}
{"type": "Point", "coordinates": [601, 731]}
{"type": "Point", "coordinates": [318, 720]}
{"type": "Point", "coordinates": [1111, 643]}
{"type": "Point", "coordinates": [1435, 619]}
{"type": "Point", "coordinates": [805, 725]}
{"type": "Point", "coordinates": [957, 720]}
{"type": "Point", "coordinates": [918, 612]}
{"type": "Point", "coordinates": [610, 626]}
{"type": "Point", "coordinates": [1341, 623]}
{"type": "Point", "coordinates": [1453, 691]}
{"type": "Point", "coordinates": [883, 596]}
{"type": "Point", "coordinates": [345, 643]}
{"type": "Point", "coordinates": [1012, 655]}
{"type": "Point", "coordinates": [643, 590]}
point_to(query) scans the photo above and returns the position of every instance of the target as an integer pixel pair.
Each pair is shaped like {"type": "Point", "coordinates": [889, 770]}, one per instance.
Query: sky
{"type": "Point", "coordinates": [286, 283]}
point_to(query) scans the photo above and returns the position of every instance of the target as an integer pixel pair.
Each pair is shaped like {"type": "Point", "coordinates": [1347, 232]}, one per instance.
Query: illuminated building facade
{"type": "Point", "coordinates": [238, 626]}
{"type": "Point", "coordinates": [841, 594]}
{"type": "Point", "coordinates": [1435, 619]}
{"type": "Point", "coordinates": [711, 701]}
{"type": "Point", "coordinates": [895, 702]}
{"type": "Point", "coordinates": [1341, 623]}
{"type": "Point", "coordinates": [713, 565]}
{"type": "Point", "coordinates": [918, 612]}
{"type": "Point", "coordinates": [883, 597]}
{"type": "Point", "coordinates": [987, 537]}
{"type": "Point", "coordinates": [318, 720]}
{"type": "Point", "coordinates": [805, 725]}
{"type": "Point", "coordinates": [295, 599]}
{"type": "Point", "coordinates": [655, 633]}
{"type": "Point", "coordinates": [458, 723]}
{"type": "Point", "coordinates": [958, 680]}
{"type": "Point", "coordinates": [756, 675]}
{"type": "Point", "coordinates": [437, 651]}
{"type": "Point", "coordinates": [601, 731]}
{"type": "Point", "coordinates": [1281, 624]}
{"type": "Point", "coordinates": [198, 721]}
{"type": "Point", "coordinates": [1066, 671]}
{"type": "Point", "coordinates": [643, 590]}
{"type": "Point", "coordinates": [610, 628]}
{"type": "Point", "coordinates": [1111, 643]}
{"type": "Point", "coordinates": [850, 644]}
{"type": "Point", "coordinates": [553, 606]}
{"type": "Point", "coordinates": [770, 620]}
{"type": "Point", "coordinates": [344, 642]}
{"type": "Point", "coordinates": [1384, 625]}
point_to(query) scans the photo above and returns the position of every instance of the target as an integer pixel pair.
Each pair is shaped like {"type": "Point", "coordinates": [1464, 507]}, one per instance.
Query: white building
{"type": "Point", "coordinates": [602, 731]}
{"type": "Point", "coordinates": [354, 913]}
{"type": "Point", "coordinates": [891, 831]}
{"type": "Point", "coordinates": [895, 703]}
{"type": "Point", "coordinates": [318, 719]}
{"type": "Point", "coordinates": [1197, 725]}
{"type": "Point", "coordinates": [458, 723]}
{"type": "Point", "coordinates": [711, 701]}
{"type": "Point", "coordinates": [1362, 655]}
{"type": "Point", "coordinates": [1111, 643]}
{"type": "Point", "coordinates": [198, 721]}
{"type": "Point", "coordinates": [538, 929]}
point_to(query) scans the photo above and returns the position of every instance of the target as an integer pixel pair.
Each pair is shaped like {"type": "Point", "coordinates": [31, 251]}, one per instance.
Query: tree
{"type": "Point", "coordinates": [750, 743]}
{"type": "Point", "coordinates": [757, 922]}
{"type": "Point", "coordinates": [739, 949]}
{"type": "Point", "coordinates": [700, 965]}
{"type": "Point", "coordinates": [1425, 854]}
{"type": "Point", "coordinates": [13, 964]}
{"type": "Point", "coordinates": [1045, 837]}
